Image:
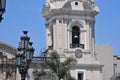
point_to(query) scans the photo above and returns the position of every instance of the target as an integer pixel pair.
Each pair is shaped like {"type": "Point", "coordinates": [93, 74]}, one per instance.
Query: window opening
{"type": "Point", "coordinates": [76, 3]}
{"type": "Point", "coordinates": [80, 76]}
{"type": "Point", "coordinates": [60, 21]}
{"type": "Point", "coordinates": [75, 36]}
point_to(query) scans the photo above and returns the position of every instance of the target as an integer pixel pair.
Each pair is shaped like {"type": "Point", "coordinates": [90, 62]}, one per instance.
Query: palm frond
{"type": "Point", "coordinates": [59, 68]}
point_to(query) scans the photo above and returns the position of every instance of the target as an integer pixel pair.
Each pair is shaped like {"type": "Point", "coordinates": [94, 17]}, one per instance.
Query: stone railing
{"type": "Point", "coordinates": [75, 45]}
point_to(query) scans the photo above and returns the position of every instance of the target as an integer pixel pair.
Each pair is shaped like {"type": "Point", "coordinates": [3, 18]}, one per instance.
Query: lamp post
{"type": "Point", "coordinates": [24, 55]}
{"type": "Point", "coordinates": [2, 8]}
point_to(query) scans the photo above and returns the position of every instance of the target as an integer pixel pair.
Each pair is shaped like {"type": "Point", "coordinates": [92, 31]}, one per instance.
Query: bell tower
{"type": "Point", "coordinates": [70, 31]}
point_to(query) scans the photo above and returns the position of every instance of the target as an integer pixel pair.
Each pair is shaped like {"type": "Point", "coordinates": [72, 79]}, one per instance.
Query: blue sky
{"type": "Point", "coordinates": [26, 15]}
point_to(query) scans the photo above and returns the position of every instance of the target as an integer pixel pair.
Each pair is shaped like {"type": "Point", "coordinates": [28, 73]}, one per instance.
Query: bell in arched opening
{"type": "Point", "coordinates": [75, 36]}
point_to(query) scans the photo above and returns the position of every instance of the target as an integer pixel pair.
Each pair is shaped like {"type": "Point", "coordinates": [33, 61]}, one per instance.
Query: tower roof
{"type": "Point", "coordinates": [70, 6]}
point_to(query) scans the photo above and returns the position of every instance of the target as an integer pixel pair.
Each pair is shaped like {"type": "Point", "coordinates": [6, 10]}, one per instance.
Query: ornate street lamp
{"type": "Point", "coordinates": [24, 55]}
{"type": "Point", "coordinates": [2, 8]}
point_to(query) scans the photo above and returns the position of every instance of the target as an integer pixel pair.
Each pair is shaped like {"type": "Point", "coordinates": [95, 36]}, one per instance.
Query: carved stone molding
{"type": "Point", "coordinates": [68, 17]}
{"type": "Point", "coordinates": [87, 66]}
{"type": "Point", "coordinates": [89, 21]}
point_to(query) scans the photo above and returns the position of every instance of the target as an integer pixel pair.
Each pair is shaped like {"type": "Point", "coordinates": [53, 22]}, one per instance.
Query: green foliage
{"type": "Point", "coordinates": [38, 74]}
{"type": "Point", "coordinates": [44, 75]}
{"type": "Point", "coordinates": [68, 77]}
{"type": "Point", "coordinates": [59, 68]}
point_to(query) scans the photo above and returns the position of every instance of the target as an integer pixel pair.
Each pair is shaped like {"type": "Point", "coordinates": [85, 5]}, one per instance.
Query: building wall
{"type": "Point", "coordinates": [116, 65]}
{"type": "Point", "coordinates": [104, 54]}
{"type": "Point", "coordinates": [7, 62]}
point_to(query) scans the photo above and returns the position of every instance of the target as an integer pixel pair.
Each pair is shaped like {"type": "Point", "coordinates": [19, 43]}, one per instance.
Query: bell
{"type": "Point", "coordinates": [75, 36]}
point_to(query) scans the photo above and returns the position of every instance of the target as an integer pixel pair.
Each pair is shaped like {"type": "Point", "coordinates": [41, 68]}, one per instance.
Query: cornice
{"type": "Point", "coordinates": [88, 66]}
{"type": "Point", "coordinates": [67, 16]}
{"type": "Point", "coordinates": [38, 65]}
{"type": "Point", "coordinates": [73, 51]}
{"type": "Point", "coordinates": [70, 11]}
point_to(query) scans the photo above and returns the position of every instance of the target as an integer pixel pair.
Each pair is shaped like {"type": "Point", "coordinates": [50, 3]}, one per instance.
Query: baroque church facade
{"type": "Point", "coordinates": [70, 32]}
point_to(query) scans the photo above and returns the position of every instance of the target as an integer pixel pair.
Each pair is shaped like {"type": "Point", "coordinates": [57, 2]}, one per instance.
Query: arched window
{"type": "Point", "coordinates": [75, 36]}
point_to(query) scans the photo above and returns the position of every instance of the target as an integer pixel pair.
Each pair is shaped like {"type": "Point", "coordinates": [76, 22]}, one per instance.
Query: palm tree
{"type": "Point", "coordinates": [61, 69]}
{"type": "Point", "coordinates": [38, 74]}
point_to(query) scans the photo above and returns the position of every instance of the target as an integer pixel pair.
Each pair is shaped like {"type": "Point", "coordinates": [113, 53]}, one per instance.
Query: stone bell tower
{"type": "Point", "coordinates": [70, 31]}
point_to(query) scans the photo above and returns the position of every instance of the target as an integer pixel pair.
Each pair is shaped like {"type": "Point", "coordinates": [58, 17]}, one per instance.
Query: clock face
{"type": "Point", "coordinates": [78, 53]}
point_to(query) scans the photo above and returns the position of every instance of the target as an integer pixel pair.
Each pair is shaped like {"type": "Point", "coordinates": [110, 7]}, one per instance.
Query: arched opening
{"type": "Point", "coordinates": [75, 37]}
